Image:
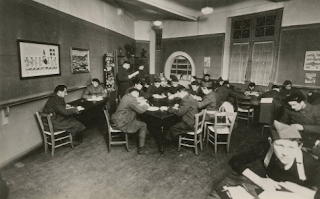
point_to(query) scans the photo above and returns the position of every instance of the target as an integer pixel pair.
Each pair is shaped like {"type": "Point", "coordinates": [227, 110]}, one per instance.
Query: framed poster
{"type": "Point", "coordinates": [38, 59]}
{"type": "Point", "coordinates": [207, 61]}
{"type": "Point", "coordinates": [312, 61]}
{"type": "Point", "coordinates": [80, 62]}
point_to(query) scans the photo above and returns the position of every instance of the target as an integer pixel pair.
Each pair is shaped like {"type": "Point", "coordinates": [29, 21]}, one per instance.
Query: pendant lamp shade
{"type": "Point", "coordinates": [207, 10]}
{"type": "Point", "coordinates": [157, 23]}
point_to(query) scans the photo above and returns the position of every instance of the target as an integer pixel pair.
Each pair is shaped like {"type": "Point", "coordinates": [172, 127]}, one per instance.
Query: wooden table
{"type": "Point", "coordinates": [92, 110]}
{"type": "Point", "coordinates": [161, 119]}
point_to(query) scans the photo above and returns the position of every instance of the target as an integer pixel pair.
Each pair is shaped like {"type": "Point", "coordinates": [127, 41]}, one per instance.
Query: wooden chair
{"type": "Point", "coordinates": [223, 125]}
{"type": "Point", "coordinates": [51, 137]}
{"type": "Point", "coordinates": [113, 133]}
{"type": "Point", "coordinates": [244, 109]}
{"type": "Point", "coordinates": [194, 137]}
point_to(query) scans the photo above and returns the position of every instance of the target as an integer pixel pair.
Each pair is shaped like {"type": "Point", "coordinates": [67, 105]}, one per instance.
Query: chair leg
{"type": "Point", "coordinates": [71, 140]}
{"type": "Point", "coordinates": [204, 131]}
{"type": "Point", "coordinates": [179, 146]}
{"type": "Point", "coordinates": [200, 140]}
{"type": "Point", "coordinates": [262, 130]}
{"type": "Point", "coordinates": [196, 145]}
{"type": "Point", "coordinates": [215, 142]}
{"type": "Point", "coordinates": [208, 131]}
{"type": "Point", "coordinates": [53, 145]}
{"type": "Point", "coordinates": [45, 144]}
{"type": "Point", "coordinates": [127, 142]}
{"type": "Point", "coordinates": [109, 141]}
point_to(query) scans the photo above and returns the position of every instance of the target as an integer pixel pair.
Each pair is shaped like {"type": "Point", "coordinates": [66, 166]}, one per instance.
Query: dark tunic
{"type": "Point", "coordinates": [123, 80]}
{"type": "Point", "coordinates": [91, 90]}
{"type": "Point", "coordinates": [309, 118]}
{"type": "Point", "coordinates": [62, 118]}
{"type": "Point", "coordinates": [285, 93]}
{"type": "Point", "coordinates": [198, 92]}
{"type": "Point", "coordinates": [173, 90]}
{"type": "Point", "coordinates": [187, 109]}
{"type": "Point", "coordinates": [141, 93]}
{"type": "Point", "coordinates": [275, 170]}
{"type": "Point", "coordinates": [124, 119]}
{"type": "Point", "coordinates": [223, 92]}
{"type": "Point", "coordinates": [152, 89]}
{"type": "Point", "coordinates": [142, 76]}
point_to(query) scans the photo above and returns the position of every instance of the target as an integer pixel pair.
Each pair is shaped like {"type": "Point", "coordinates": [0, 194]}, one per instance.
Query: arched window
{"type": "Point", "coordinates": [181, 65]}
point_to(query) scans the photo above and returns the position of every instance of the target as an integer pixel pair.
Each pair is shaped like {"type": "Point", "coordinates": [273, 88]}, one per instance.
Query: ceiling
{"type": "Point", "coordinates": [184, 10]}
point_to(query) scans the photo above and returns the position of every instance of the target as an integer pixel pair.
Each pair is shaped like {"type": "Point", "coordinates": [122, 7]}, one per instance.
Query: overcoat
{"type": "Point", "coordinates": [124, 119]}
{"type": "Point", "coordinates": [62, 118]}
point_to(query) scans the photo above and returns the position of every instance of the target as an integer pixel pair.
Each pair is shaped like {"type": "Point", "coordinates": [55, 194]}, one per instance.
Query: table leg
{"type": "Point", "coordinates": [161, 141]}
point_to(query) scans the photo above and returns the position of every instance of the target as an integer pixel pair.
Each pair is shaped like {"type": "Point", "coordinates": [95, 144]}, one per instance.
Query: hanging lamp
{"type": "Point", "coordinates": [207, 8]}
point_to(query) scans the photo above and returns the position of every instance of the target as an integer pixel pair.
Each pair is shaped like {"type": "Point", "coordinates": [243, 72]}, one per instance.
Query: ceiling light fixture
{"type": "Point", "coordinates": [157, 23]}
{"type": "Point", "coordinates": [207, 8]}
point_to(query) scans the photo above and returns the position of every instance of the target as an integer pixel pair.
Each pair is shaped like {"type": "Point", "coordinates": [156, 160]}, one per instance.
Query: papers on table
{"type": "Point", "coordinates": [153, 108]}
{"type": "Point", "coordinates": [238, 192]}
{"type": "Point", "coordinates": [279, 194]}
{"type": "Point", "coordinates": [159, 96]}
{"type": "Point", "coordinates": [162, 108]}
{"type": "Point", "coordinates": [266, 100]}
{"type": "Point", "coordinates": [95, 99]}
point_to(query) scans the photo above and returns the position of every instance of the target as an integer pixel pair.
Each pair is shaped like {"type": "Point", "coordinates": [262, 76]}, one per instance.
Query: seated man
{"type": "Point", "coordinates": [62, 114]}
{"type": "Point", "coordinates": [219, 82]}
{"type": "Point", "coordinates": [206, 80]}
{"type": "Point", "coordinates": [252, 89]}
{"type": "Point", "coordinates": [125, 117]}
{"type": "Point", "coordinates": [195, 91]}
{"type": "Point", "coordinates": [287, 89]}
{"type": "Point", "coordinates": [303, 116]}
{"type": "Point", "coordinates": [172, 90]}
{"type": "Point", "coordinates": [94, 90]}
{"type": "Point", "coordinates": [286, 165]}
{"type": "Point", "coordinates": [210, 101]}
{"type": "Point", "coordinates": [138, 85]}
{"type": "Point", "coordinates": [156, 90]}
{"type": "Point", "coordinates": [186, 110]}
{"type": "Point", "coordinates": [224, 91]}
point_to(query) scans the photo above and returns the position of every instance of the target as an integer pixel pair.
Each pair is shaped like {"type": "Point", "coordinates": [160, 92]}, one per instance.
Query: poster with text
{"type": "Point", "coordinates": [310, 78]}
{"type": "Point", "coordinates": [312, 61]}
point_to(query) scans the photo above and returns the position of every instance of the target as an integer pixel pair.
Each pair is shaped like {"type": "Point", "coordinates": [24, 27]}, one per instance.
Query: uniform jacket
{"type": "Point", "coordinates": [308, 117]}
{"type": "Point", "coordinates": [152, 89]}
{"type": "Point", "coordinates": [124, 119]}
{"type": "Point", "coordinates": [211, 102]}
{"type": "Point", "coordinates": [286, 92]}
{"type": "Point", "coordinates": [187, 109]}
{"type": "Point", "coordinates": [91, 90]}
{"type": "Point", "coordinates": [223, 92]}
{"type": "Point", "coordinates": [141, 93]}
{"type": "Point", "coordinates": [62, 117]}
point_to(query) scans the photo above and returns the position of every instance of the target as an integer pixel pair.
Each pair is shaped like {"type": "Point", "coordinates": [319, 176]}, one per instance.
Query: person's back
{"type": "Point", "coordinates": [223, 92]}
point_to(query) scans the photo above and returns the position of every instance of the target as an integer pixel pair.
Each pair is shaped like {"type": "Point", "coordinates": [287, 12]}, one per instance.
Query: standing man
{"type": "Point", "coordinates": [142, 76]}
{"type": "Point", "coordinates": [94, 90]}
{"type": "Point", "coordinates": [125, 117]}
{"type": "Point", "coordinates": [305, 117]}
{"type": "Point", "coordinates": [125, 78]}
{"type": "Point", "coordinates": [186, 110]}
{"type": "Point", "coordinates": [62, 114]}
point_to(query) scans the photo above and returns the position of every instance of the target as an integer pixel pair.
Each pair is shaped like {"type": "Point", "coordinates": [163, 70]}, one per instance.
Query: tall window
{"type": "Point", "coordinates": [181, 68]}
{"type": "Point", "coordinates": [254, 42]}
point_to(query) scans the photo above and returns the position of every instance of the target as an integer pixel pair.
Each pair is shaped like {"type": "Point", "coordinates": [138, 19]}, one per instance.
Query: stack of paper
{"type": "Point", "coordinates": [239, 192]}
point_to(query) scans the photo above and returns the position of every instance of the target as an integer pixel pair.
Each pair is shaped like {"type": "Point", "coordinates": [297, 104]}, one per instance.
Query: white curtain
{"type": "Point", "coordinates": [262, 62]}
{"type": "Point", "coordinates": [239, 62]}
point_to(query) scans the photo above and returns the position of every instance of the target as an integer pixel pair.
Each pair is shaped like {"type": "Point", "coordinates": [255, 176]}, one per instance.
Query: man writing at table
{"type": "Point", "coordinates": [210, 101]}
{"type": "Point", "coordinates": [286, 165]}
{"type": "Point", "coordinates": [125, 117]}
{"type": "Point", "coordinates": [186, 110]}
{"type": "Point", "coordinates": [62, 114]}
{"type": "Point", "coordinates": [94, 90]}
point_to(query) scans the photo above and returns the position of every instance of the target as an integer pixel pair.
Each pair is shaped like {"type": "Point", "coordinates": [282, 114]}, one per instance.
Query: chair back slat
{"type": "Point", "coordinates": [243, 101]}
{"type": "Point", "coordinates": [45, 122]}
{"type": "Point", "coordinates": [199, 121]}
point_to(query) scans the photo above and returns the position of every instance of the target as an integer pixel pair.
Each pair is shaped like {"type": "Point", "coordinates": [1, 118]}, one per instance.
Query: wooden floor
{"type": "Point", "coordinates": [89, 171]}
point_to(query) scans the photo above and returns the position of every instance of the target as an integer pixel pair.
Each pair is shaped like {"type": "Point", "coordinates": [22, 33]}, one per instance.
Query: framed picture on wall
{"type": "Point", "coordinates": [80, 62]}
{"type": "Point", "coordinates": [38, 59]}
{"type": "Point", "coordinates": [312, 61]}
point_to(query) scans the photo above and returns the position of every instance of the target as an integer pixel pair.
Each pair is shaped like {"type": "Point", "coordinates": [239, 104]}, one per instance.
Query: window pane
{"type": "Point", "coordinates": [246, 23]}
{"type": "Point", "coordinates": [270, 31]}
{"type": "Point", "coordinates": [259, 32]}
{"type": "Point", "coordinates": [271, 20]}
{"type": "Point", "coordinates": [237, 24]}
{"type": "Point", "coordinates": [260, 21]}
{"type": "Point", "coordinates": [237, 34]}
{"type": "Point", "coordinates": [246, 33]}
